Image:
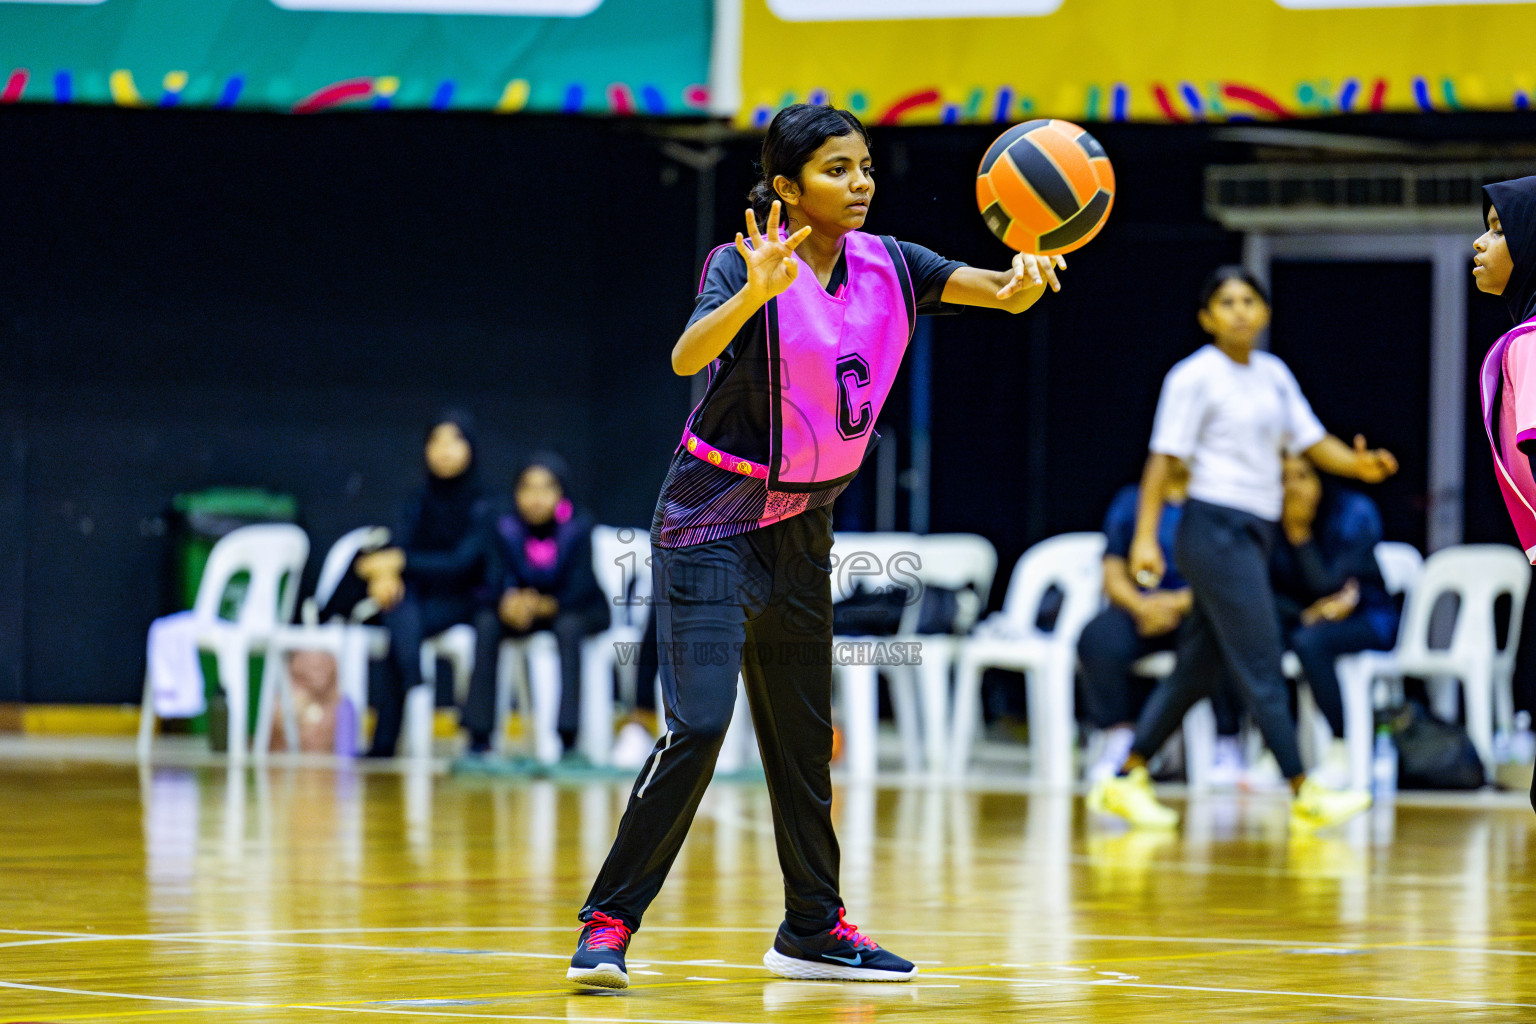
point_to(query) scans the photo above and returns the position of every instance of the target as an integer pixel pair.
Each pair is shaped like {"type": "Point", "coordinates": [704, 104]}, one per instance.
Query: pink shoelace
{"type": "Point", "coordinates": [607, 932]}
{"type": "Point", "coordinates": [846, 930]}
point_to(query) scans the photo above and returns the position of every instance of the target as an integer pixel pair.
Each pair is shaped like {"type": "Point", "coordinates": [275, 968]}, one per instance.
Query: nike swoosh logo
{"type": "Point", "coordinates": [854, 962]}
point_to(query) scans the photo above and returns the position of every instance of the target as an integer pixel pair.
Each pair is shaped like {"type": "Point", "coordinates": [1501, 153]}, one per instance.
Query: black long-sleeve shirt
{"type": "Point", "coordinates": [1343, 547]}
{"type": "Point", "coordinates": [460, 570]}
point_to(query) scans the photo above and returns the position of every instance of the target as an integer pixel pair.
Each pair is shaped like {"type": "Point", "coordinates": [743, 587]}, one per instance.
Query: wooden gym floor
{"type": "Point", "coordinates": [304, 892]}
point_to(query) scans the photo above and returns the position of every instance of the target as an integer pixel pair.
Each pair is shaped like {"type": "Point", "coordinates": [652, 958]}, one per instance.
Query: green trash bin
{"type": "Point", "coordinates": [201, 518]}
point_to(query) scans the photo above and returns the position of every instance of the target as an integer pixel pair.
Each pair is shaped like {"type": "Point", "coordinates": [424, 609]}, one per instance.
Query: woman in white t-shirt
{"type": "Point", "coordinates": [1230, 413]}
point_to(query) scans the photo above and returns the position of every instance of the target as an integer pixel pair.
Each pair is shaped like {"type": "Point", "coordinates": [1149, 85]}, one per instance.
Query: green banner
{"type": "Point", "coordinates": [573, 56]}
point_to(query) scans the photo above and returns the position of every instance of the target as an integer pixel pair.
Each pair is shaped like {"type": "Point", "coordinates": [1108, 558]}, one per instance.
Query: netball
{"type": "Point", "coordinates": [1045, 187]}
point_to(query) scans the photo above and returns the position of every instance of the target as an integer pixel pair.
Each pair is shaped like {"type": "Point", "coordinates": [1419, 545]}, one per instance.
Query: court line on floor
{"type": "Point", "coordinates": [263, 938]}
{"type": "Point", "coordinates": [1419, 946]}
{"type": "Point", "coordinates": [1244, 946]}
{"type": "Point", "coordinates": [1213, 940]}
{"type": "Point", "coordinates": [189, 1004]}
{"type": "Point", "coordinates": [247, 938]}
{"type": "Point", "coordinates": [946, 973]}
{"type": "Point", "coordinates": [1114, 983]}
{"type": "Point", "coordinates": [253, 943]}
{"type": "Point", "coordinates": [24, 987]}
{"type": "Point", "coordinates": [226, 939]}
{"type": "Point", "coordinates": [721, 929]}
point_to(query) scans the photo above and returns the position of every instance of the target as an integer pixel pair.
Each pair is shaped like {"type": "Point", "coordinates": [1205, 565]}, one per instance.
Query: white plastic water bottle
{"type": "Point", "coordinates": [1522, 742]}
{"type": "Point", "coordinates": [1384, 766]}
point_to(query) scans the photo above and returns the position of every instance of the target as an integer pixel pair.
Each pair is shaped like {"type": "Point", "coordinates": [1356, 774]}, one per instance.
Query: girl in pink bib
{"type": "Point", "coordinates": [1504, 263]}
{"type": "Point", "coordinates": [802, 324]}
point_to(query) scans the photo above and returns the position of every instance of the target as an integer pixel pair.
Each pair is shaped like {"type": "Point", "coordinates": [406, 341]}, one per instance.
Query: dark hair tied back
{"type": "Point", "coordinates": [1230, 272]}
{"type": "Point", "coordinates": [794, 134]}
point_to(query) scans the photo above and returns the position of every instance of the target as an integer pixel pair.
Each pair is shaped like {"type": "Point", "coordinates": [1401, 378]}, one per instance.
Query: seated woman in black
{"type": "Point", "coordinates": [1328, 588]}
{"type": "Point", "coordinates": [543, 551]}
{"type": "Point", "coordinates": [435, 575]}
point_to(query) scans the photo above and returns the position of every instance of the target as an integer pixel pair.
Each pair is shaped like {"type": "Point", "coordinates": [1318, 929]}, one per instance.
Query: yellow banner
{"type": "Point", "coordinates": [960, 61]}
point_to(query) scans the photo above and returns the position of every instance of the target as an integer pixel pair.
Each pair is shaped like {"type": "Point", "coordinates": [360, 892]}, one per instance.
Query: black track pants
{"type": "Point", "coordinates": [760, 602]}
{"type": "Point", "coordinates": [1224, 554]}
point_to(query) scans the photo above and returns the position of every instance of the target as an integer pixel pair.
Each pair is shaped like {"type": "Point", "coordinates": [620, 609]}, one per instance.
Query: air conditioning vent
{"type": "Point", "coordinates": [1354, 197]}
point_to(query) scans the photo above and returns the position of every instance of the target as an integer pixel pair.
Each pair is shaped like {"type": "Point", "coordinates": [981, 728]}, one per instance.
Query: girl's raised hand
{"type": "Point", "coordinates": [1372, 465]}
{"type": "Point", "coordinates": [1031, 271]}
{"type": "Point", "coordinates": [771, 263]}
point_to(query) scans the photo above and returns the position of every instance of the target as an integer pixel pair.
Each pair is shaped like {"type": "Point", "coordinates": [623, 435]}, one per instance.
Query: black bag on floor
{"type": "Point", "coordinates": [1432, 754]}
{"type": "Point", "coordinates": [945, 610]}
{"type": "Point", "coordinates": [869, 612]}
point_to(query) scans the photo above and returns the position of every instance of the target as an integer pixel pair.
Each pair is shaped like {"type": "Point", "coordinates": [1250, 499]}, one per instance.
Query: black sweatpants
{"type": "Point", "coordinates": [570, 629]}
{"type": "Point", "coordinates": [761, 601]}
{"type": "Point", "coordinates": [1224, 554]}
{"type": "Point", "coordinates": [1107, 648]}
{"type": "Point", "coordinates": [1317, 647]}
{"type": "Point", "coordinates": [409, 623]}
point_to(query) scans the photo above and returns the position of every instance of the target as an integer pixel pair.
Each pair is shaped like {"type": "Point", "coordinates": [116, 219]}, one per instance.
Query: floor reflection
{"type": "Point", "coordinates": [321, 881]}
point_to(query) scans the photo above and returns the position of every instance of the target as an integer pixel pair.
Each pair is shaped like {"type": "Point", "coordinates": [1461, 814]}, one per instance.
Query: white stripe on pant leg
{"type": "Point", "coordinates": [655, 760]}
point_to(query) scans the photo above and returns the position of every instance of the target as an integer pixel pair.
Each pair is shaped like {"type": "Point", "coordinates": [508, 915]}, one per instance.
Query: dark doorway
{"type": "Point", "coordinates": [1357, 337]}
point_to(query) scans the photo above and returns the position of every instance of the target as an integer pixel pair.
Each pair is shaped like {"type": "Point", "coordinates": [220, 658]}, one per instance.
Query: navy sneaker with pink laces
{"type": "Point", "coordinates": [840, 953]}
{"type": "Point", "coordinates": [599, 959]}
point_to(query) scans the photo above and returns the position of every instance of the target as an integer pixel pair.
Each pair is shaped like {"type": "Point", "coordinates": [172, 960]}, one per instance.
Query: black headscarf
{"type": "Point", "coordinates": [561, 471]}
{"type": "Point", "coordinates": [1516, 202]}
{"type": "Point", "coordinates": [445, 512]}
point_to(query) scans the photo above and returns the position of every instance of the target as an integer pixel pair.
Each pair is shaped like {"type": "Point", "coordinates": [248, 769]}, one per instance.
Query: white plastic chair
{"type": "Point", "coordinates": [1401, 564]}
{"type": "Point", "coordinates": [875, 561]}
{"type": "Point", "coordinates": [272, 556]}
{"type": "Point", "coordinates": [621, 559]}
{"type": "Point", "coordinates": [528, 669]}
{"type": "Point", "coordinates": [456, 646]}
{"type": "Point", "coordinates": [1012, 640]}
{"type": "Point", "coordinates": [528, 678]}
{"type": "Point", "coordinates": [967, 563]}
{"type": "Point", "coordinates": [351, 643]}
{"type": "Point", "coordinates": [1478, 574]}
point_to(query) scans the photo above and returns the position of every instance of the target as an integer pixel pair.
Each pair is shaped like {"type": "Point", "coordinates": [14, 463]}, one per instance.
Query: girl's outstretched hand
{"type": "Point", "coordinates": [1031, 271]}
{"type": "Point", "coordinates": [1372, 465]}
{"type": "Point", "coordinates": [771, 263]}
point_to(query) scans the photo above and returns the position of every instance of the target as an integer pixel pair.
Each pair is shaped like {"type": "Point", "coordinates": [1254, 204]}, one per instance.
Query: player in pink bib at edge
{"type": "Point", "coordinates": [1504, 263]}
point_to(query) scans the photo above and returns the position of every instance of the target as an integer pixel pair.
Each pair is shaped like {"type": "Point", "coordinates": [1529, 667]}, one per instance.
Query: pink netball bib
{"type": "Point", "coordinates": [1513, 421]}
{"type": "Point", "coordinates": [833, 359]}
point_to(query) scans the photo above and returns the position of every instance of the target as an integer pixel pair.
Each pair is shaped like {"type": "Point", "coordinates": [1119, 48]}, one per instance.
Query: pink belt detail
{"type": "Point", "coordinates": [701, 449]}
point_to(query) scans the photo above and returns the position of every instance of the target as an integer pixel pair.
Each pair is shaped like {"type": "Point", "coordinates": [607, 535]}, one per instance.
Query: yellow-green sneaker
{"type": "Point", "coordinates": [1317, 806]}
{"type": "Point", "coordinates": [1130, 796]}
